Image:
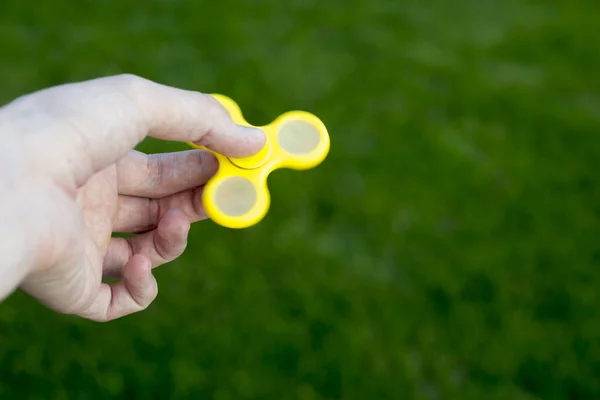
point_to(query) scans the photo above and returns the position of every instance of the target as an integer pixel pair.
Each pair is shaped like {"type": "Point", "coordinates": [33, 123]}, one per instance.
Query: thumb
{"type": "Point", "coordinates": [226, 137]}
{"type": "Point", "coordinates": [90, 125]}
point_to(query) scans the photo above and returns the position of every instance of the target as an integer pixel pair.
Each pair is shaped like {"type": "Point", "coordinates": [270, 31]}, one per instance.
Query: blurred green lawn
{"type": "Point", "coordinates": [448, 248]}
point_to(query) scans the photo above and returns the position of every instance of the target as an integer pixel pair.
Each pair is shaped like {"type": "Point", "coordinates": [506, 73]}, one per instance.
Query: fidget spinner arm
{"type": "Point", "coordinates": [238, 196]}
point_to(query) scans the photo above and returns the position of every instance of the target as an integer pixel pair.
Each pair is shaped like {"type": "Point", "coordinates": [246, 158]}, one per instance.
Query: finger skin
{"type": "Point", "coordinates": [159, 175]}
{"type": "Point", "coordinates": [138, 214]}
{"type": "Point", "coordinates": [134, 292]}
{"type": "Point", "coordinates": [74, 130]}
{"type": "Point", "coordinates": [73, 135]}
{"type": "Point", "coordinates": [161, 245]}
{"type": "Point", "coordinates": [25, 221]}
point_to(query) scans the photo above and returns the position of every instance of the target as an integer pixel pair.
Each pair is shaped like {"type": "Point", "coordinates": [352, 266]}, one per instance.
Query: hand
{"type": "Point", "coordinates": [69, 178]}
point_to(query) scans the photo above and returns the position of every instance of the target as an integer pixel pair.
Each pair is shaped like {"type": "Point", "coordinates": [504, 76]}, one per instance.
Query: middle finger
{"type": "Point", "coordinates": [138, 214]}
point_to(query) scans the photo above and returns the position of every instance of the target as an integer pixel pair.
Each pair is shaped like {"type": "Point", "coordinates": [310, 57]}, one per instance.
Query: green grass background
{"type": "Point", "coordinates": [448, 248]}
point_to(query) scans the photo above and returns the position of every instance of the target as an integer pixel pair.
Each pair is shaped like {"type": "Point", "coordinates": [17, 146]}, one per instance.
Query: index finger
{"type": "Point", "coordinates": [87, 126]}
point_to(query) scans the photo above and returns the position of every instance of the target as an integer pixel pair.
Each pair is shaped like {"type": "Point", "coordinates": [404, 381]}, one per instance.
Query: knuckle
{"type": "Point", "coordinates": [131, 86]}
{"type": "Point", "coordinates": [97, 317]}
{"type": "Point", "coordinates": [207, 98]}
{"type": "Point", "coordinates": [145, 299]}
{"type": "Point", "coordinates": [214, 106]}
{"type": "Point", "coordinates": [152, 295]}
{"type": "Point", "coordinates": [155, 168]}
{"type": "Point", "coordinates": [154, 213]}
{"type": "Point", "coordinates": [130, 80]}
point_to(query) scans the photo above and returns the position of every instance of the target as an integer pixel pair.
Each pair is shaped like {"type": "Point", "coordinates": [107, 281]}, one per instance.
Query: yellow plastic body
{"type": "Point", "coordinates": [256, 169]}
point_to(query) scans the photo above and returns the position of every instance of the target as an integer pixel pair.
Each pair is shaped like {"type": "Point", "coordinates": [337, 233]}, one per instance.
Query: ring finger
{"type": "Point", "coordinates": [160, 245]}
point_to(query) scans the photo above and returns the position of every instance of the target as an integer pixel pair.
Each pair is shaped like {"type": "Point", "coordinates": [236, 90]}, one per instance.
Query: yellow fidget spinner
{"type": "Point", "coordinates": [237, 196]}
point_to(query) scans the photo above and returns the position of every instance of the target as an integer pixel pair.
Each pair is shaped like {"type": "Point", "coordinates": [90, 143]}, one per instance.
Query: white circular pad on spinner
{"type": "Point", "coordinates": [298, 137]}
{"type": "Point", "coordinates": [235, 196]}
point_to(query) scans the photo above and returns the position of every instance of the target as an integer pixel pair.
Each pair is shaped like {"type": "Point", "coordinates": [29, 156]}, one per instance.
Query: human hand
{"type": "Point", "coordinates": [69, 179]}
